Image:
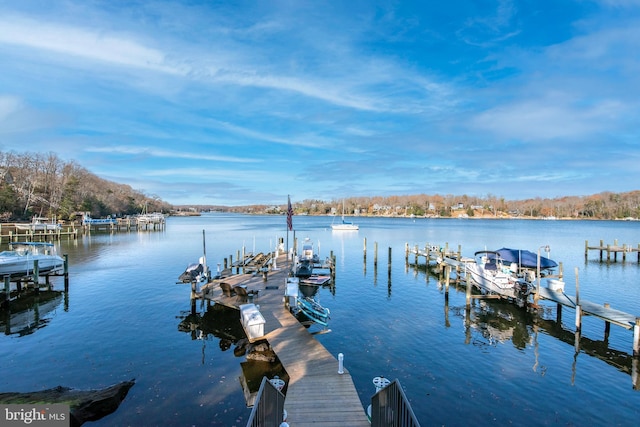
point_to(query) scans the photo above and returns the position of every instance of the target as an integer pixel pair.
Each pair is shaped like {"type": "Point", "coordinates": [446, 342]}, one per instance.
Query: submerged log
{"type": "Point", "coordinates": [84, 405]}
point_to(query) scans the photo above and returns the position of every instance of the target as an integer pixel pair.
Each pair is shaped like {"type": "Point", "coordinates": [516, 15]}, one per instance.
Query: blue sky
{"type": "Point", "coordinates": [235, 103]}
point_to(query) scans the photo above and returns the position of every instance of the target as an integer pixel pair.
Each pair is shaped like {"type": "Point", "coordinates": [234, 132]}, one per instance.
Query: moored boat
{"type": "Point", "coordinates": [20, 259]}
{"type": "Point", "coordinates": [314, 311]}
{"type": "Point", "coordinates": [303, 265]}
{"type": "Point", "coordinates": [40, 224]}
{"type": "Point", "coordinates": [344, 225]}
{"type": "Point", "coordinates": [509, 273]}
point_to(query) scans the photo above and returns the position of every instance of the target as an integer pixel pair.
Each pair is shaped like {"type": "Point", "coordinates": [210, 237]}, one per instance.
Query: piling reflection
{"type": "Point", "coordinates": [492, 322]}
{"type": "Point", "coordinates": [27, 314]}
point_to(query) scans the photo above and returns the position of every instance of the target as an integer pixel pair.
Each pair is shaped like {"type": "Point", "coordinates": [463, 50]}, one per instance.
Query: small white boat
{"type": "Point", "coordinates": [40, 224]}
{"type": "Point", "coordinates": [19, 261]}
{"type": "Point", "coordinates": [344, 225]}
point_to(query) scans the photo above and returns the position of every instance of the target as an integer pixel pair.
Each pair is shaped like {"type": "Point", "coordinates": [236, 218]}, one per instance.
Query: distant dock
{"type": "Point", "coordinates": [614, 250]}
{"type": "Point", "coordinates": [15, 232]}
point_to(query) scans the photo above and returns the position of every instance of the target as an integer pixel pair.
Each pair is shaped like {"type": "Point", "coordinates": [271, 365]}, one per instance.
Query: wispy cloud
{"type": "Point", "coordinates": [354, 98]}
{"type": "Point", "coordinates": [154, 152]}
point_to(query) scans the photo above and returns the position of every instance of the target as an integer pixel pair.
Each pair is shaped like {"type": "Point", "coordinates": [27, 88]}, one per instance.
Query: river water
{"type": "Point", "coordinates": [496, 364]}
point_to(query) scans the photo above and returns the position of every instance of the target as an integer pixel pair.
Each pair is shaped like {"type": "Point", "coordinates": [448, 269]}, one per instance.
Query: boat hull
{"type": "Point", "coordinates": [314, 311]}
{"type": "Point", "coordinates": [21, 261]}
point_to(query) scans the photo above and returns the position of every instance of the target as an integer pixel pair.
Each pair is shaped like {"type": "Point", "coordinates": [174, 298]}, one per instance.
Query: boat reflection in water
{"type": "Point", "coordinates": [31, 312]}
{"type": "Point", "coordinates": [489, 323]}
{"type": "Point", "coordinates": [223, 323]}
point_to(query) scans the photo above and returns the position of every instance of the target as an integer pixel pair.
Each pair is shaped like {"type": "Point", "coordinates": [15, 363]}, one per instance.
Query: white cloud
{"type": "Point", "coordinates": [155, 152]}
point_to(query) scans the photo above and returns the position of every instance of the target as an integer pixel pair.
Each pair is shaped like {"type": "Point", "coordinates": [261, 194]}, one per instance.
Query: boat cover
{"type": "Point", "coordinates": [525, 258]}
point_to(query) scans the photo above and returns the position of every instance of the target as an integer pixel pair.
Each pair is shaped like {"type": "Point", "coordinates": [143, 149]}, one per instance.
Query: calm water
{"type": "Point", "coordinates": [122, 315]}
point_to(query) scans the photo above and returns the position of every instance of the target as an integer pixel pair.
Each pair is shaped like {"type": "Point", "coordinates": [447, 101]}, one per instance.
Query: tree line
{"type": "Point", "coordinates": [606, 205]}
{"type": "Point", "coordinates": [37, 184]}
{"type": "Point", "coordinates": [43, 185]}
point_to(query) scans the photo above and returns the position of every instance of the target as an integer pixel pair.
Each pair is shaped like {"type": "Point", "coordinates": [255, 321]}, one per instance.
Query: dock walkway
{"type": "Point", "coordinates": [614, 249]}
{"type": "Point", "coordinates": [608, 314]}
{"type": "Point", "coordinates": [316, 394]}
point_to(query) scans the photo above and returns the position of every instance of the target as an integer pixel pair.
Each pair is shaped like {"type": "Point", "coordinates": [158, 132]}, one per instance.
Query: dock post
{"type": "Point", "coordinates": [66, 272]}
{"type": "Point", "coordinates": [586, 249]}
{"type": "Point", "coordinates": [559, 314]}
{"type": "Point", "coordinates": [607, 325]}
{"type": "Point", "coordinates": [578, 321]}
{"type": "Point", "coordinates": [560, 270]}
{"type": "Point", "coordinates": [375, 254]}
{"type": "Point", "coordinates": [417, 259]}
{"type": "Point", "coordinates": [636, 338]}
{"type": "Point", "coordinates": [468, 293]}
{"type": "Point", "coordinates": [7, 291]}
{"type": "Point", "coordinates": [389, 262]}
{"type": "Point", "coordinates": [36, 276]}
{"type": "Point", "coordinates": [364, 249]}
{"type": "Point", "coordinates": [624, 252]}
{"type": "Point", "coordinates": [427, 255]}
{"type": "Point", "coordinates": [446, 283]}
{"type": "Point", "coordinates": [406, 253]}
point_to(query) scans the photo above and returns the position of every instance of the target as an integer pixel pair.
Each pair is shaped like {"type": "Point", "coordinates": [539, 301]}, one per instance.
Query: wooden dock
{"type": "Point", "coordinates": [614, 250]}
{"type": "Point", "coordinates": [72, 231]}
{"type": "Point", "coordinates": [316, 393]}
{"type": "Point", "coordinates": [602, 311]}
{"type": "Point", "coordinates": [449, 261]}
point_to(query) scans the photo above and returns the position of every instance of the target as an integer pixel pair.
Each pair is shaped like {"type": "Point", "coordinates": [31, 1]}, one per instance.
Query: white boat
{"type": "Point", "coordinates": [40, 224]}
{"type": "Point", "coordinates": [304, 263]}
{"type": "Point", "coordinates": [151, 218]}
{"type": "Point", "coordinates": [344, 225]}
{"type": "Point", "coordinates": [509, 273]}
{"type": "Point", "coordinates": [308, 254]}
{"type": "Point", "coordinates": [19, 261]}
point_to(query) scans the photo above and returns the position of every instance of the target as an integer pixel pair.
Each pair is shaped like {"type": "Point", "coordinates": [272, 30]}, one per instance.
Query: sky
{"type": "Point", "coordinates": [246, 102]}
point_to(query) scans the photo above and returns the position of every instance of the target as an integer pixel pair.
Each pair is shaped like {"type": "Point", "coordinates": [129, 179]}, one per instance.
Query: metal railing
{"type": "Point", "coordinates": [390, 407]}
{"type": "Point", "coordinates": [269, 407]}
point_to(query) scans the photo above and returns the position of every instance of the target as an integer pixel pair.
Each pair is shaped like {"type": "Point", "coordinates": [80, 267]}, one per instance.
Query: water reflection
{"type": "Point", "coordinates": [27, 314]}
{"type": "Point", "coordinates": [223, 323]}
{"type": "Point", "coordinates": [489, 323]}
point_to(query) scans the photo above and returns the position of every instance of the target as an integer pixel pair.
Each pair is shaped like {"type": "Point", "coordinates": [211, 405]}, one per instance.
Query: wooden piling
{"type": "Point", "coordinates": [66, 273]}
{"type": "Point", "coordinates": [7, 291]}
{"type": "Point", "coordinates": [578, 321]}
{"type": "Point", "coordinates": [375, 254]}
{"type": "Point", "coordinates": [365, 248]}
{"type": "Point", "coordinates": [636, 338]}
{"type": "Point", "coordinates": [607, 325]}
{"type": "Point", "coordinates": [468, 291]}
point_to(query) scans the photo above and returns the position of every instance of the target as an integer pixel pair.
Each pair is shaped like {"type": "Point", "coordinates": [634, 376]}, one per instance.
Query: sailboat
{"type": "Point", "coordinates": [344, 225]}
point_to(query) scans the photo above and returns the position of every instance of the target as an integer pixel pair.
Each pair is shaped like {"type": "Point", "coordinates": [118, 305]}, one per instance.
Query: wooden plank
{"type": "Point", "coordinates": [608, 314]}
{"type": "Point", "coordinates": [557, 296]}
{"type": "Point", "coordinates": [316, 393]}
